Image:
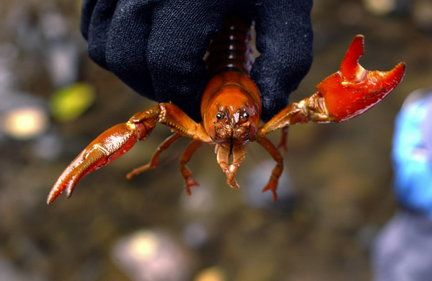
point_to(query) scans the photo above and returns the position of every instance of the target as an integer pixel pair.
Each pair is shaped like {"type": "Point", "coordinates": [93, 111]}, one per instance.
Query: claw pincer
{"type": "Point", "coordinates": [107, 147]}
{"type": "Point", "coordinates": [353, 90]}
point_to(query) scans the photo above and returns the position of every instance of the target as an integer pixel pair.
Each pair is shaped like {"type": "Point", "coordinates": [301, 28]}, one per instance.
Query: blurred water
{"type": "Point", "coordinates": [8, 272]}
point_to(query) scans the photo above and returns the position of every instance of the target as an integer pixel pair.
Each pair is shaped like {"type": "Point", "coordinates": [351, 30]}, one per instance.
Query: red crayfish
{"type": "Point", "coordinates": [231, 114]}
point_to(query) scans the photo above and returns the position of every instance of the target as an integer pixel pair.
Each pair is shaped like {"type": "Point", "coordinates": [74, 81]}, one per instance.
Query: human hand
{"type": "Point", "coordinates": [157, 46]}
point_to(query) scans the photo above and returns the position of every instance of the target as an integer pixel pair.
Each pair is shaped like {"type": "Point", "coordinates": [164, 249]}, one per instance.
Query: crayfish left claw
{"type": "Point", "coordinates": [343, 95]}
{"type": "Point", "coordinates": [353, 89]}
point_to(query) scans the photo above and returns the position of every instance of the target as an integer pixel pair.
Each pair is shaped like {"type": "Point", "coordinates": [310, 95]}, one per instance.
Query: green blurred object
{"type": "Point", "coordinates": [69, 103]}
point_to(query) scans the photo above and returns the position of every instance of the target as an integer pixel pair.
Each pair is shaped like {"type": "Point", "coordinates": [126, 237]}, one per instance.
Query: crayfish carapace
{"type": "Point", "coordinates": [231, 115]}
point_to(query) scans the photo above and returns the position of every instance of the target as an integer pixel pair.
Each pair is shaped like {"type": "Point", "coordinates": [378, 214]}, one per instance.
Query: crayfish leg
{"type": "Point", "coordinates": [185, 158]}
{"type": "Point", "coordinates": [155, 157]}
{"type": "Point", "coordinates": [277, 170]}
{"type": "Point", "coordinates": [283, 139]}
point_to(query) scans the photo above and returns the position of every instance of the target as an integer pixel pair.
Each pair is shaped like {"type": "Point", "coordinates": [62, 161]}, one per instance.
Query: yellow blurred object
{"type": "Point", "coordinates": [69, 103]}
{"type": "Point", "coordinates": [211, 274]}
{"type": "Point", "coordinates": [380, 7]}
{"type": "Point", "coordinates": [25, 122]}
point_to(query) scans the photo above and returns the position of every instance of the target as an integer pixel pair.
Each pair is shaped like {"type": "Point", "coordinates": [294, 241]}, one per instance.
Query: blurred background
{"type": "Point", "coordinates": [334, 197]}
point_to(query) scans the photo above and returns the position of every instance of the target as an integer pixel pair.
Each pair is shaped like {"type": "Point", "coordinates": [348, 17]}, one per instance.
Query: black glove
{"type": "Point", "coordinates": [284, 39]}
{"type": "Point", "coordinates": [156, 46]}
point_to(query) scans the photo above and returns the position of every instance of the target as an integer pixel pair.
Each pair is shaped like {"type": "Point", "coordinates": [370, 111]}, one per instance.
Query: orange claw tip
{"type": "Point", "coordinates": [79, 167]}
{"type": "Point", "coordinates": [57, 190]}
{"type": "Point", "coordinates": [52, 196]}
{"type": "Point", "coordinates": [398, 72]}
{"type": "Point", "coordinates": [54, 193]}
{"type": "Point", "coordinates": [350, 67]}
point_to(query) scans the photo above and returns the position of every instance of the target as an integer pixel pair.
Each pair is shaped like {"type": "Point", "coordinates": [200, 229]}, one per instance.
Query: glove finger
{"type": "Point", "coordinates": [180, 35]}
{"type": "Point", "coordinates": [284, 39]}
{"type": "Point", "coordinates": [127, 44]}
{"type": "Point", "coordinates": [86, 14]}
{"type": "Point", "coordinates": [95, 23]}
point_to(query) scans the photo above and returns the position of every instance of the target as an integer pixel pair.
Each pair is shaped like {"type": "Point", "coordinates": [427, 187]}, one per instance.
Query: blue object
{"type": "Point", "coordinates": [403, 249]}
{"type": "Point", "coordinates": [412, 154]}
{"type": "Point", "coordinates": [157, 46]}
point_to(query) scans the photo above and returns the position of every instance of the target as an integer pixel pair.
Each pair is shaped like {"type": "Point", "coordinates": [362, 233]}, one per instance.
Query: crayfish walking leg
{"type": "Point", "coordinates": [155, 157]}
{"type": "Point", "coordinates": [186, 173]}
{"type": "Point", "coordinates": [277, 170]}
{"type": "Point", "coordinates": [283, 140]}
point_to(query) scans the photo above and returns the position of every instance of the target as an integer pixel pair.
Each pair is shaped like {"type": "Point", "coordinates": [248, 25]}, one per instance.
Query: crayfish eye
{"type": "Point", "coordinates": [244, 116]}
{"type": "Point", "coordinates": [220, 115]}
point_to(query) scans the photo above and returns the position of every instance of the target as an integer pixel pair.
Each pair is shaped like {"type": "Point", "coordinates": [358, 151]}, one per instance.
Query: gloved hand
{"type": "Point", "coordinates": [157, 46]}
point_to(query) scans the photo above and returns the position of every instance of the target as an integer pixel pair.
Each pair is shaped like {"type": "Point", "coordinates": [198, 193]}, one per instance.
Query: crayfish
{"type": "Point", "coordinates": [231, 116]}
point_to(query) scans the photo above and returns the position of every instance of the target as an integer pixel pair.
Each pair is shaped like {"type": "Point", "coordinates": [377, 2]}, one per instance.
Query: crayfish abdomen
{"type": "Point", "coordinates": [231, 48]}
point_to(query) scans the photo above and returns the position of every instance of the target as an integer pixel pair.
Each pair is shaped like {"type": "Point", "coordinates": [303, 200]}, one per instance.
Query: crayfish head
{"type": "Point", "coordinates": [232, 117]}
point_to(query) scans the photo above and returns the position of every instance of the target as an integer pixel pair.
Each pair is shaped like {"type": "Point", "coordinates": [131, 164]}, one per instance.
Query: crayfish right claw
{"type": "Point", "coordinates": [107, 147]}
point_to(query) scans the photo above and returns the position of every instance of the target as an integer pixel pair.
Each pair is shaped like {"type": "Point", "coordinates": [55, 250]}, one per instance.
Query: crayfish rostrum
{"type": "Point", "coordinates": [231, 115]}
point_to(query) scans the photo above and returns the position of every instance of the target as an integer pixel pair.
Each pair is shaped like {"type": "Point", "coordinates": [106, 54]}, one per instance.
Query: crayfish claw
{"type": "Point", "coordinates": [353, 89]}
{"type": "Point", "coordinates": [107, 147]}
{"type": "Point", "coordinates": [87, 161]}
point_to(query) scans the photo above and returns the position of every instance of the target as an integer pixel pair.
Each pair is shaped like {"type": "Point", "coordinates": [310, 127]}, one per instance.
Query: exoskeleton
{"type": "Point", "coordinates": [231, 113]}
